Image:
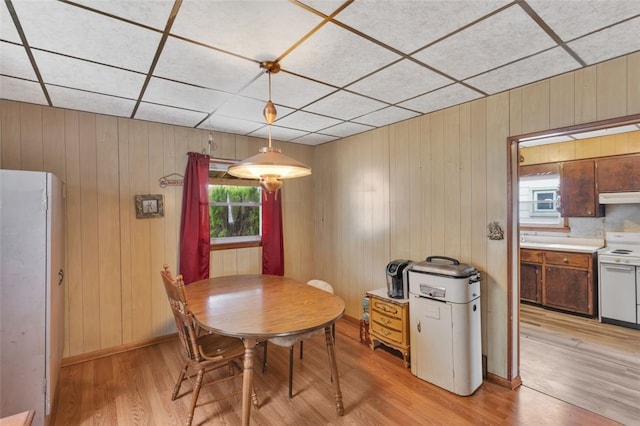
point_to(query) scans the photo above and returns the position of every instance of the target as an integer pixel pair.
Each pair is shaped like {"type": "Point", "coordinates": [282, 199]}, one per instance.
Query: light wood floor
{"type": "Point", "coordinates": [134, 388]}
{"type": "Point", "coordinates": [581, 361]}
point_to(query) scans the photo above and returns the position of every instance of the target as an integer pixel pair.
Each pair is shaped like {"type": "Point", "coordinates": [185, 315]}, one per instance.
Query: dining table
{"type": "Point", "coordinates": [255, 308]}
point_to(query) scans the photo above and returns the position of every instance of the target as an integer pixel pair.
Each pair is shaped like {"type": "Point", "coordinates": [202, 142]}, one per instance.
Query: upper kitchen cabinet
{"type": "Point", "coordinates": [619, 174]}
{"type": "Point", "coordinates": [578, 189]}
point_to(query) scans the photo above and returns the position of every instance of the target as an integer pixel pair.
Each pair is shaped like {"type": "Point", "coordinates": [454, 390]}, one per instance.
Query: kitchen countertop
{"type": "Point", "coordinates": [578, 245]}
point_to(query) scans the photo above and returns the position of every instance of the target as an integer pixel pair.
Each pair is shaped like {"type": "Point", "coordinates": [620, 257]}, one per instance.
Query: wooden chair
{"type": "Point", "coordinates": [290, 341]}
{"type": "Point", "coordinates": [202, 353]}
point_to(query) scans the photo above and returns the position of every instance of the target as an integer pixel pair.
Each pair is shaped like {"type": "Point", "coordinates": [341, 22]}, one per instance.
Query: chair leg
{"type": "Point", "coordinates": [181, 377]}
{"type": "Point", "coordinates": [264, 357]}
{"type": "Point", "coordinates": [194, 399]}
{"type": "Point", "coordinates": [291, 371]}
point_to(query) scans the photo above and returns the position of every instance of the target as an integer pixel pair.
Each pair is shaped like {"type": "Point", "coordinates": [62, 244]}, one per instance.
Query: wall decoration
{"type": "Point", "coordinates": [495, 231]}
{"type": "Point", "coordinates": [149, 206]}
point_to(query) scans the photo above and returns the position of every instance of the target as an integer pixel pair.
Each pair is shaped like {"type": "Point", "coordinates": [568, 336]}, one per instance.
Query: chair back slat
{"type": "Point", "coordinates": [185, 322]}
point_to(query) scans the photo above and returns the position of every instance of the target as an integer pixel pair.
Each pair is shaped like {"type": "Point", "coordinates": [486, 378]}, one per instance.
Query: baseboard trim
{"type": "Point", "coordinates": [509, 384]}
{"type": "Point", "coordinates": [90, 356]}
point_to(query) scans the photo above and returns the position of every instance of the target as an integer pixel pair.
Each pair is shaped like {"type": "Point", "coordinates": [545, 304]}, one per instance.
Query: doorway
{"type": "Point", "coordinates": [560, 354]}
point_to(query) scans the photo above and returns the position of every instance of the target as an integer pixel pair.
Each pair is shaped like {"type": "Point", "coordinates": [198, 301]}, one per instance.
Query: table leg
{"type": "Point", "coordinates": [247, 378]}
{"type": "Point", "coordinates": [333, 364]}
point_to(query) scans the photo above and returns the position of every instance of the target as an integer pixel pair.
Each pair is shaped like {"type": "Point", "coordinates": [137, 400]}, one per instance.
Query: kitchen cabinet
{"type": "Point", "coordinates": [619, 174]}
{"type": "Point", "coordinates": [578, 189]}
{"type": "Point", "coordinates": [531, 275]}
{"type": "Point", "coordinates": [389, 322]}
{"type": "Point", "coordinates": [558, 279]}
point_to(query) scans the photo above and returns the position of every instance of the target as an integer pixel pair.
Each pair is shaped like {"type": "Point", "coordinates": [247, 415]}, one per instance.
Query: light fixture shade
{"type": "Point", "coordinates": [269, 162]}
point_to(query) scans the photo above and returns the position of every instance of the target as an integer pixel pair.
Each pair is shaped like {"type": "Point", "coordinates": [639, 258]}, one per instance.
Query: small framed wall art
{"type": "Point", "coordinates": [149, 206]}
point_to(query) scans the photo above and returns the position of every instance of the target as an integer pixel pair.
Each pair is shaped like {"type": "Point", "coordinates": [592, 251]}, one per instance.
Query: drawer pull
{"type": "Point", "coordinates": [386, 308]}
{"type": "Point", "coordinates": [565, 260]}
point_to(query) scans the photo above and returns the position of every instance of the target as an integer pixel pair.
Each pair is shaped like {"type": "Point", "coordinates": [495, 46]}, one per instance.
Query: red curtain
{"type": "Point", "coordinates": [272, 241]}
{"type": "Point", "coordinates": [194, 226]}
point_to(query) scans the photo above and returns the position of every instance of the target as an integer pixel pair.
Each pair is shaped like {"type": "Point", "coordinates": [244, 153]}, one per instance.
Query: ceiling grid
{"type": "Point", "coordinates": [347, 66]}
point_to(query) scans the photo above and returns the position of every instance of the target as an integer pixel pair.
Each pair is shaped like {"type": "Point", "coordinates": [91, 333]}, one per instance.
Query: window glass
{"type": "Point", "coordinates": [235, 213]}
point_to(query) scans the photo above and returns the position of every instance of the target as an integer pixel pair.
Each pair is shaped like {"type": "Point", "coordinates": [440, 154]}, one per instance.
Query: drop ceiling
{"type": "Point", "coordinates": [347, 66]}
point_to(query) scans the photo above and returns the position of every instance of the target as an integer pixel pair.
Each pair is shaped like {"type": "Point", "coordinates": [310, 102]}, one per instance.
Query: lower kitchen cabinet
{"type": "Point", "coordinates": [560, 280]}
{"type": "Point", "coordinates": [531, 282]}
{"type": "Point", "coordinates": [389, 322]}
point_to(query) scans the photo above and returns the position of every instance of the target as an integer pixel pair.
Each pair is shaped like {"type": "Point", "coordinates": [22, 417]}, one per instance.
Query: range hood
{"type": "Point", "coordinates": [619, 198]}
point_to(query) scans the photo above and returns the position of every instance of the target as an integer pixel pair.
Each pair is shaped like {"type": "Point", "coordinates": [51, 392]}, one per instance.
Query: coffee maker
{"type": "Point", "coordinates": [396, 283]}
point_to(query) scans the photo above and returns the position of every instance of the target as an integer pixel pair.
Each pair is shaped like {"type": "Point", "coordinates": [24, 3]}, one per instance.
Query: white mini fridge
{"type": "Point", "coordinates": [31, 292]}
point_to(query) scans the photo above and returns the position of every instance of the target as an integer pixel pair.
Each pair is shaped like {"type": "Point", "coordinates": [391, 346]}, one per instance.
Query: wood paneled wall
{"type": "Point", "coordinates": [431, 186]}
{"type": "Point", "coordinates": [426, 186]}
{"type": "Point", "coordinates": [113, 293]}
{"type": "Point", "coordinates": [622, 143]}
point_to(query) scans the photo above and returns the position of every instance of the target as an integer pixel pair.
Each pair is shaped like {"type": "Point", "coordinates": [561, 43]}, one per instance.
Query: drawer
{"type": "Point", "coordinates": [532, 256]}
{"type": "Point", "coordinates": [385, 333]}
{"type": "Point", "coordinates": [388, 309]}
{"type": "Point", "coordinates": [387, 321]}
{"type": "Point", "coordinates": [568, 259]}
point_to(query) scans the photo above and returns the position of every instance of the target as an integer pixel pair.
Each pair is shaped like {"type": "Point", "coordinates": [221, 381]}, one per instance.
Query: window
{"type": "Point", "coordinates": [544, 201]}
{"type": "Point", "coordinates": [539, 201]}
{"type": "Point", "coordinates": [235, 213]}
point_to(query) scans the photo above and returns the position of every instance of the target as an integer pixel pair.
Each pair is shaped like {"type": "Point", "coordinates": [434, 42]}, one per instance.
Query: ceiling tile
{"type": "Point", "coordinates": [70, 30]}
{"type": "Point", "coordinates": [336, 56]}
{"type": "Point", "coordinates": [571, 19]}
{"type": "Point", "coordinates": [164, 114]}
{"type": "Point", "coordinates": [502, 38]}
{"type": "Point", "coordinates": [260, 30]}
{"type": "Point", "coordinates": [153, 13]}
{"type": "Point", "coordinates": [307, 121]}
{"type": "Point", "coordinates": [278, 133]}
{"type": "Point", "coordinates": [287, 89]}
{"type": "Point", "coordinates": [442, 98]}
{"type": "Point", "coordinates": [610, 43]}
{"type": "Point", "coordinates": [413, 24]}
{"type": "Point", "coordinates": [314, 139]}
{"type": "Point", "coordinates": [8, 30]}
{"type": "Point", "coordinates": [78, 74]}
{"type": "Point", "coordinates": [347, 129]}
{"type": "Point", "coordinates": [345, 105]}
{"type": "Point", "coordinates": [21, 90]}
{"type": "Point", "coordinates": [230, 125]}
{"type": "Point", "coordinates": [400, 81]}
{"type": "Point", "coordinates": [14, 61]}
{"type": "Point", "coordinates": [386, 116]}
{"type": "Point", "coordinates": [194, 64]}
{"type": "Point", "coordinates": [552, 62]}
{"type": "Point", "coordinates": [63, 97]}
{"type": "Point", "coordinates": [181, 95]}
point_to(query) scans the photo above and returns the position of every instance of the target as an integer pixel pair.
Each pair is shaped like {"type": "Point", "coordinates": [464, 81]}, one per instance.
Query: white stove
{"type": "Point", "coordinates": [619, 279]}
{"type": "Point", "coordinates": [622, 248]}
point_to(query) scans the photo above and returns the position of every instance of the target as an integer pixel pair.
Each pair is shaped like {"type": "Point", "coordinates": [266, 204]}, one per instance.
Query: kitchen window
{"type": "Point", "coordinates": [235, 214]}
{"type": "Point", "coordinates": [544, 202]}
{"type": "Point", "coordinates": [539, 201]}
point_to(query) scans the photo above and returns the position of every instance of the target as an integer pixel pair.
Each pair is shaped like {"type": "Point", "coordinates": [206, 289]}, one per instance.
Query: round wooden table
{"type": "Point", "coordinates": [259, 307]}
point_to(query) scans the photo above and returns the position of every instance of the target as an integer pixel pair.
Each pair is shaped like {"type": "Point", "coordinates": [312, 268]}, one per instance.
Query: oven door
{"type": "Point", "coordinates": [618, 292]}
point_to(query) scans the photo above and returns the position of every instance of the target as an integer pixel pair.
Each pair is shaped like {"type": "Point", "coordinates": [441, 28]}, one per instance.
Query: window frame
{"type": "Point", "coordinates": [536, 211]}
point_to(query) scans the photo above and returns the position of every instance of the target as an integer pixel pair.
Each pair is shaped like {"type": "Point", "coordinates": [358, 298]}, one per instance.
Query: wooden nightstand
{"type": "Point", "coordinates": [389, 322]}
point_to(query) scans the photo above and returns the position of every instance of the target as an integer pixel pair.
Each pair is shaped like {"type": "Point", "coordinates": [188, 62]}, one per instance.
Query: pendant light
{"type": "Point", "coordinates": [270, 165]}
